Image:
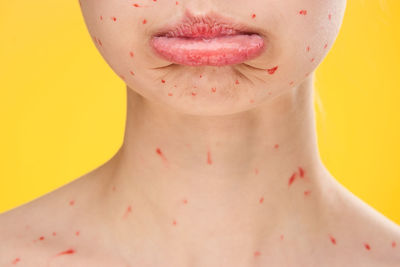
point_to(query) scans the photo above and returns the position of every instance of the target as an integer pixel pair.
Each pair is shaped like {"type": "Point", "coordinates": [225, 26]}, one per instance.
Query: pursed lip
{"type": "Point", "coordinates": [209, 25]}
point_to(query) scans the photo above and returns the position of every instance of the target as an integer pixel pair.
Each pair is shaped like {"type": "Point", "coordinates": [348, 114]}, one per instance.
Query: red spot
{"type": "Point", "coordinates": [41, 238]}
{"type": "Point", "coordinates": [77, 233]}
{"type": "Point", "coordinates": [131, 54]}
{"type": "Point", "coordinates": [101, 17]}
{"type": "Point", "coordinates": [325, 46]}
{"type": "Point", "coordinates": [169, 94]}
{"type": "Point", "coordinates": [136, 5]}
{"type": "Point", "coordinates": [69, 251]}
{"type": "Point", "coordinates": [114, 18]}
{"type": "Point", "coordinates": [291, 180]}
{"type": "Point", "coordinates": [282, 237]}
{"type": "Point", "coordinates": [159, 152]}
{"type": "Point", "coordinates": [303, 12]}
{"type": "Point", "coordinates": [312, 60]}
{"type": "Point", "coordinates": [185, 201]}
{"type": "Point", "coordinates": [393, 244]}
{"type": "Point", "coordinates": [163, 81]}
{"type": "Point", "coordinates": [308, 49]}
{"type": "Point", "coordinates": [99, 42]}
{"type": "Point", "coordinates": [329, 16]}
{"type": "Point", "coordinates": [253, 16]}
{"type": "Point", "coordinates": [176, 3]}
{"type": "Point", "coordinates": [333, 240]}
{"type": "Point", "coordinates": [256, 170]}
{"type": "Point", "coordinates": [131, 72]}
{"type": "Point", "coordinates": [272, 70]}
{"type": "Point", "coordinates": [72, 202]}
{"type": "Point", "coordinates": [194, 94]}
{"type": "Point", "coordinates": [144, 21]}
{"type": "Point", "coordinates": [307, 192]}
{"type": "Point", "coordinates": [276, 146]}
{"type": "Point", "coordinates": [201, 75]}
{"type": "Point", "coordinates": [251, 100]}
{"type": "Point", "coordinates": [301, 172]}
{"type": "Point", "coordinates": [261, 200]}
{"type": "Point", "coordinates": [237, 82]}
{"type": "Point", "coordinates": [209, 158]}
{"type": "Point", "coordinates": [174, 222]}
{"type": "Point", "coordinates": [54, 233]}
{"type": "Point", "coordinates": [367, 247]}
{"type": "Point", "coordinates": [257, 253]}
{"type": "Point", "coordinates": [16, 260]}
{"type": "Point", "coordinates": [122, 77]}
{"type": "Point", "coordinates": [291, 83]}
{"type": "Point", "coordinates": [306, 74]}
{"type": "Point", "coordinates": [213, 89]}
{"type": "Point", "coordinates": [113, 188]}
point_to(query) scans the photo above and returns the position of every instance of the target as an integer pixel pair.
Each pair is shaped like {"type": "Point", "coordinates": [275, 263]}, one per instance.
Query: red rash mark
{"type": "Point", "coordinates": [101, 17]}
{"type": "Point", "coordinates": [201, 75]}
{"type": "Point", "coordinates": [282, 237]}
{"type": "Point", "coordinates": [185, 201]}
{"type": "Point", "coordinates": [209, 158]}
{"type": "Point", "coordinates": [163, 81]}
{"type": "Point", "coordinates": [170, 94]}
{"type": "Point", "coordinates": [308, 49]}
{"type": "Point", "coordinates": [144, 21]}
{"type": "Point", "coordinates": [41, 238]}
{"type": "Point", "coordinates": [329, 16]}
{"type": "Point", "coordinates": [136, 5]}
{"type": "Point", "coordinates": [303, 12]}
{"type": "Point", "coordinates": [213, 89]}
{"type": "Point", "coordinates": [237, 82]}
{"type": "Point", "coordinates": [393, 244]}
{"type": "Point", "coordinates": [54, 233]}
{"type": "Point", "coordinates": [16, 260]}
{"type": "Point", "coordinates": [132, 73]}
{"type": "Point", "coordinates": [128, 210]}
{"type": "Point", "coordinates": [307, 192]}
{"type": "Point", "coordinates": [272, 70]}
{"type": "Point", "coordinates": [291, 180]}
{"type": "Point", "coordinates": [174, 223]}
{"type": "Point", "coordinates": [312, 60]}
{"type": "Point", "coordinates": [291, 83]}
{"type": "Point", "coordinates": [253, 16]}
{"type": "Point", "coordinates": [77, 233]}
{"type": "Point", "coordinates": [194, 94]}
{"type": "Point", "coordinates": [325, 46]}
{"type": "Point", "coordinates": [69, 251]}
{"type": "Point", "coordinates": [257, 253]}
{"type": "Point", "coordinates": [301, 172]}
{"type": "Point", "coordinates": [276, 146]}
{"type": "Point", "coordinates": [251, 100]}
{"type": "Point", "coordinates": [72, 202]}
{"type": "Point", "coordinates": [177, 3]}
{"type": "Point", "coordinates": [114, 18]}
{"type": "Point", "coordinates": [333, 240]}
{"type": "Point", "coordinates": [159, 152]}
{"type": "Point", "coordinates": [261, 200]}
{"type": "Point", "coordinates": [131, 54]}
{"type": "Point", "coordinates": [367, 247]}
{"type": "Point", "coordinates": [113, 188]}
{"type": "Point", "coordinates": [256, 170]}
{"type": "Point", "coordinates": [122, 77]}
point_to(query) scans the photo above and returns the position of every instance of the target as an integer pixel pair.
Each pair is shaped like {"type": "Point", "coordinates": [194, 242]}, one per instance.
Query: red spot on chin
{"type": "Point", "coordinates": [261, 200]}
{"type": "Point", "coordinates": [333, 240]}
{"type": "Point", "coordinates": [325, 46]}
{"type": "Point", "coordinates": [69, 251]}
{"type": "Point", "coordinates": [308, 49]}
{"type": "Point", "coordinates": [176, 3]}
{"type": "Point", "coordinates": [101, 17]}
{"type": "Point", "coordinates": [54, 233]}
{"type": "Point", "coordinates": [272, 70]}
{"type": "Point", "coordinates": [367, 247]}
{"type": "Point", "coordinates": [291, 83]}
{"type": "Point", "coordinates": [291, 179]}
{"type": "Point", "coordinates": [132, 73]}
{"type": "Point", "coordinates": [303, 12]}
{"type": "Point", "coordinates": [329, 16]}
{"type": "Point", "coordinates": [131, 54]}
{"type": "Point", "coordinates": [201, 76]}
{"type": "Point", "coordinates": [194, 94]}
{"type": "Point", "coordinates": [16, 260]}
{"type": "Point", "coordinates": [135, 5]}
{"type": "Point", "coordinates": [251, 100]}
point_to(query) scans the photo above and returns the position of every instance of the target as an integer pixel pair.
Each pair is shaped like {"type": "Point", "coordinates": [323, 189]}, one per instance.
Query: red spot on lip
{"type": "Point", "coordinates": [333, 240]}
{"type": "Point", "coordinates": [16, 260]}
{"type": "Point", "coordinates": [308, 49]}
{"type": "Point", "coordinates": [291, 180]}
{"type": "Point", "coordinates": [367, 247]}
{"type": "Point", "coordinates": [272, 70]}
{"type": "Point", "coordinates": [303, 12]}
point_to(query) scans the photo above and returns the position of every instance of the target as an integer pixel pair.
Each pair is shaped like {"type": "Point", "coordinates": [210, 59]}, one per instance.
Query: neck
{"type": "Point", "coordinates": [256, 174]}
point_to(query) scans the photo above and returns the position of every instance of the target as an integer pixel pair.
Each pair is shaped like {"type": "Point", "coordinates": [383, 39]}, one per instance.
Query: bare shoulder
{"type": "Point", "coordinates": [49, 228]}
{"type": "Point", "coordinates": [366, 235]}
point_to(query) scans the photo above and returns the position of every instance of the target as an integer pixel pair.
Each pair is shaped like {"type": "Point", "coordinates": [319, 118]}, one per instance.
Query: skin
{"type": "Point", "coordinates": [219, 165]}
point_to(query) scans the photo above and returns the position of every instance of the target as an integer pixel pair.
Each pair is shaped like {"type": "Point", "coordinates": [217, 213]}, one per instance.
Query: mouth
{"type": "Point", "coordinates": [207, 40]}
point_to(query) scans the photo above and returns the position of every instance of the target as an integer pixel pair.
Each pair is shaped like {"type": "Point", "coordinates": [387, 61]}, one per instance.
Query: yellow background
{"type": "Point", "coordinates": [62, 108]}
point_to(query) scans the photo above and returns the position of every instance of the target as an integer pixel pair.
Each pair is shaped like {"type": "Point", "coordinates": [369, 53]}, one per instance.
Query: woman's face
{"type": "Point", "coordinates": [296, 36]}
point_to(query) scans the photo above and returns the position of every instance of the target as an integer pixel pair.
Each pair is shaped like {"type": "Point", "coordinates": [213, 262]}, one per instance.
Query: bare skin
{"type": "Point", "coordinates": [224, 177]}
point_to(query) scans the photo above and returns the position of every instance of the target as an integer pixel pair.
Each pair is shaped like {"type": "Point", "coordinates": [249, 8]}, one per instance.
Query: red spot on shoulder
{"type": "Point", "coordinates": [308, 49]}
{"type": "Point", "coordinates": [101, 17]}
{"type": "Point", "coordinates": [194, 94]}
{"type": "Point", "coordinates": [159, 152]}
{"type": "Point", "coordinates": [291, 83]}
{"type": "Point", "coordinates": [303, 12]}
{"type": "Point", "coordinates": [136, 5]}
{"type": "Point", "coordinates": [185, 201]}
{"type": "Point", "coordinates": [209, 157]}
{"type": "Point", "coordinates": [176, 3]}
{"type": "Point", "coordinates": [333, 240]}
{"type": "Point", "coordinates": [170, 94]}
{"type": "Point", "coordinates": [394, 244]}
{"type": "Point", "coordinates": [325, 46]}
{"type": "Point", "coordinates": [329, 16]}
{"type": "Point", "coordinates": [237, 82]}
{"type": "Point", "coordinates": [291, 179]}
{"type": "Point", "coordinates": [132, 73]}
{"type": "Point", "coordinates": [272, 70]}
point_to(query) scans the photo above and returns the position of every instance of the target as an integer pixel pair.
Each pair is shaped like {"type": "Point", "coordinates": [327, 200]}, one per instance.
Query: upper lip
{"type": "Point", "coordinates": [207, 26]}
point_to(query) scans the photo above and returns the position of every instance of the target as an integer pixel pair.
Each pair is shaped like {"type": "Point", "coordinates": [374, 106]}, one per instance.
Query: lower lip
{"type": "Point", "coordinates": [217, 51]}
